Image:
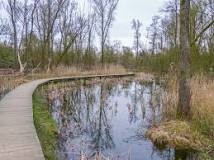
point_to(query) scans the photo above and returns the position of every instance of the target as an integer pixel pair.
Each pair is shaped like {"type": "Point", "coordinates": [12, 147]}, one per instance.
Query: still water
{"type": "Point", "coordinates": [109, 118]}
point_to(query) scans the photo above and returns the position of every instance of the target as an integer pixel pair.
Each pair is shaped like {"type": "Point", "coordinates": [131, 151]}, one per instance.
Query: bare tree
{"type": "Point", "coordinates": [13, 11]}
{"type": "Point", "coordinates": [47, 14]}
{"type": "Point", "coordinates": [4, 27]}
{"type": "Point", "coordinates": [172, 7]}
{"type": "Point", "coordinates": [136, 25]}
{"type": "Point", "coordinates": [90, 28]}
{"type": "Point", "coordinates": [104, 10]}
{"type": "Point", "coordinates": [71, 28]}
{"type": "Point", "coordinates": [21, 16]}
{"type": "Point", "coordinates": [153, 34]}
{"type": "Point", "coordinates": [184, 86]}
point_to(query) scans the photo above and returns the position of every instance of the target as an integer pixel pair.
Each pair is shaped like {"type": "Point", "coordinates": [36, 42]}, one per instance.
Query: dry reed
{"type": "Point", "coordinates": [196, 133]}
{"type": "Point", "coordinates": [74, 71]}
{"type": "Point", "coordinates": [7, 83]}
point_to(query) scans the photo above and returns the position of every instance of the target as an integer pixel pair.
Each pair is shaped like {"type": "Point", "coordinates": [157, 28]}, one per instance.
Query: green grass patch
{"type": "Point", "coordinates": [45, 126]}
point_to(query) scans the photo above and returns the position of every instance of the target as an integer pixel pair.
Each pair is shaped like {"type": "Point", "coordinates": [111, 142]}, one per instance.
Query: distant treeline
{"type": "Point", "coordinates": [159, 63]}
{"type": "Point", "coordinates": [47, 34]}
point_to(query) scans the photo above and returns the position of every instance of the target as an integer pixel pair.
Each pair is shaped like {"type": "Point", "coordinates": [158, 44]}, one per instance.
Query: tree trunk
{"type": "Point", "coordinates": [21, 66]}
{"type": "Point", "coordinates": [102, 40]}
{"type": "Point", "coordinates": [184, 76]}
{"type": "Point", "coordinates": [176, 22]}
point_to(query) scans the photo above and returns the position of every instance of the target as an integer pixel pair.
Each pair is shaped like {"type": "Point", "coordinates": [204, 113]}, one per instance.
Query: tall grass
{"type": "Point", "coordinates": [66, 71]}
{"type": "Point", "coordinates": [195, 133]}
{"type": "Point", "coordinates": [7, 83]}
{"type": "Point", "coordinates": [202, 103]}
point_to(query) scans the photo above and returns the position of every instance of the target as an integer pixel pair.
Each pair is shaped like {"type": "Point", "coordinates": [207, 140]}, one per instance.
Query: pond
{"type": "Point", "coordinates": [107, 118]}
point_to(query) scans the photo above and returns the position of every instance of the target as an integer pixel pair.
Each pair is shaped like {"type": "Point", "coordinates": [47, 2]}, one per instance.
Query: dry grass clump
{"type": "Point", "coordinates": [54, 72]}
{"type": "Point", "coordinates": [203, 105]}
{"type": "Point", "coordinates": [142, 76]}
{"type": "Point", "coordinates": [107, 69]}
{"type": "Point", "coordinates": [195, 133]}
{"type": "Point", "coordinates": [7, 83]}
{"type": "Point", "coordinates": [176, 134]}
{"type": "Point", "coordinates": [74, 71]}
{"type": "Point", "coordinates": [170, 100]}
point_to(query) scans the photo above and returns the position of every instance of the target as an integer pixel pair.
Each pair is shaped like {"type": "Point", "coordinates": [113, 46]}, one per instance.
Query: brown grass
{"type": "Point", "coordinates": [201, 125]}
{"type": "Point", "coordinates": [203, 105]}
{"type": "Point", "coordinates": [170, 99]}
{"type": "Point", "coordinates": [74, 71]}
{"type": "Point", "coordinates": [9, 82]}
{"type": "Point", "coordinates": [176, 134]}
{"type": "Point", "coordinates": [142, 76]}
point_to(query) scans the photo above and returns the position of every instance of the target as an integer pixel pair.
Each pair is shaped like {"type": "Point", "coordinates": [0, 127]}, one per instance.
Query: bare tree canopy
{"type": "Point", "coordinates": [104, 10]}
{"type": "Point", "coordinates": [136, 25]}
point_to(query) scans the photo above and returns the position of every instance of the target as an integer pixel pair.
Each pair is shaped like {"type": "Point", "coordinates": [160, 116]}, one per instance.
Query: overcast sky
{"type": "Point", "coordinates": [143, 10]}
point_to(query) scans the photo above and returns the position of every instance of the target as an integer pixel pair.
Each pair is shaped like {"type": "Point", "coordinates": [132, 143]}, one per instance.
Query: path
{"type": "Point", "coordinates": [18, 138]}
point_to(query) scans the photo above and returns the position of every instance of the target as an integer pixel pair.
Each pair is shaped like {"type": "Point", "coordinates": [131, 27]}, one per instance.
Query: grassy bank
{"type": "Point", "coordinates": [45, 126]}
{"type": "Point", "coordinates": [196, 133]}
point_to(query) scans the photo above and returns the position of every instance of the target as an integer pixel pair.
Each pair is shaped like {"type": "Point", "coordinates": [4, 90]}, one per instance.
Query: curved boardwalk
{"type": "Point", "coordinates": [18, 138]}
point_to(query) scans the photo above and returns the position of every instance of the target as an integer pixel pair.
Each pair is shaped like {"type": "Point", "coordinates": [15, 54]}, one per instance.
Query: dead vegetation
{"type": "Point", "coordinates": [203, 105]}
{"type": "Point", "coordinates": [11, 80]}
{"type": "Point", "coordinates": [142, 76]}
{"type": "Point", "coordinates": [176, 134]}
{"type": "Point", "coordinates": [61, 71]}
{"type": "Point", "coordinates": [196, 133]}
{"type": "Point", "coordinates": [8, 82]}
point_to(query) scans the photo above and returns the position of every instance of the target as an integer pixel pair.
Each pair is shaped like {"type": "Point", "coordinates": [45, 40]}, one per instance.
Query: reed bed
{"type": "Point", "coordinates": [196, 133]}
{"type": "Point", "coordinates": [147, 77]}
{"type": "Point", "coordinates": [202, 103]}
{"type": "Point", "coordinates": [9, 82]}
{"type": "Point", "coordinates": [66, 71]}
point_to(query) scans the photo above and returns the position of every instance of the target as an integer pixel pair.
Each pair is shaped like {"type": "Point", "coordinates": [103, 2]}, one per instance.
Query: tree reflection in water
{"type": "Point", "coordinates": [110, 118]}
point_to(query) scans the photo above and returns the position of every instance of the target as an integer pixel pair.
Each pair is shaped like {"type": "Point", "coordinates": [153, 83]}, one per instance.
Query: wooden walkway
{"type": "Point", "coordinates": [18, 138]}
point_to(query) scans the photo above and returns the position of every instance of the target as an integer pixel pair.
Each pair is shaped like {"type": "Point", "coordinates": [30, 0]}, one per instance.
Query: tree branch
{"type": "Point", "coordinates": [202, 32]}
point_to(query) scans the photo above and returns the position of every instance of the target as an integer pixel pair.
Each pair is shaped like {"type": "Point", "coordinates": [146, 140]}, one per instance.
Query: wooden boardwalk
{"type": "Point", "coordinates": [18, 138]}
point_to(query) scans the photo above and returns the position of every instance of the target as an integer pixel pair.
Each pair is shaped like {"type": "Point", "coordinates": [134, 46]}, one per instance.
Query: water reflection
{"type": "Point", "coordinates": [110, 118]}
